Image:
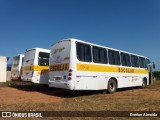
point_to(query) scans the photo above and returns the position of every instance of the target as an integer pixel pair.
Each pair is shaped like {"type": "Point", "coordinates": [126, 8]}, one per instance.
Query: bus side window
{"type": "Point", "coordinates": [134, 61]}
{"type": "Point", "coordinates": [142, 62]}
{"type": "Point", "coordinates": [43, 59]}
{"type": "Point", "coordinates": [99, 55]}
{"type": "Point", "coordinates": [83, 52]}
{"type": "Point", "coordinates": [103, 56]}
{"type": "Point", "coordinates": [114, 58]}
{"type": "Point", "coordinates": [125, 59]}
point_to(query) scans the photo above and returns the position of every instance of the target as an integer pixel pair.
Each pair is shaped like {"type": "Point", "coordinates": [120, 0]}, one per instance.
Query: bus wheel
{"type": "Point", "coordinates": [112, 86]}
{"type": "Point", "coordinates": [144, 83]}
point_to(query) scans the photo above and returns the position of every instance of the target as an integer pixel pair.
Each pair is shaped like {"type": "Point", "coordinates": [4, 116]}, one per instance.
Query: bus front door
{"type": "Point", "coordinates": [150, 74]}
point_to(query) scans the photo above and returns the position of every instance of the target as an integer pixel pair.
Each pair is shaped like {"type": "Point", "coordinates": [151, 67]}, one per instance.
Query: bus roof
{"type": "Point", "coordinates": [19, 55]}
{"type": "Point", "coordinates": [77, 40]}
{"type": "Point", "coordinates": [39, 49]}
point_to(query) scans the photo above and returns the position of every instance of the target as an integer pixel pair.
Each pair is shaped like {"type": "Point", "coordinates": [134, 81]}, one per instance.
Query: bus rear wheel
{"type": "Point", "coordinates": [112, 86]}
{"type": "Point", "coordinates": [144, 83]}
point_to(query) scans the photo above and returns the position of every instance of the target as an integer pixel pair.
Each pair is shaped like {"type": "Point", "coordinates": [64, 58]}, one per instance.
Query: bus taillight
{"type": "Point", "coordinates": [70, 74]}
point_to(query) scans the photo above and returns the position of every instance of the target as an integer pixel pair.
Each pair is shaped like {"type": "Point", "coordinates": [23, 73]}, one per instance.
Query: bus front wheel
{"type": "Point", "coordinates": [112, 86]}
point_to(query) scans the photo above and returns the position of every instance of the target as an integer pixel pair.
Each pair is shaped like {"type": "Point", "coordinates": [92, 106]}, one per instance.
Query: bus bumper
{"type": "Point", "coordinates": [63, 85]}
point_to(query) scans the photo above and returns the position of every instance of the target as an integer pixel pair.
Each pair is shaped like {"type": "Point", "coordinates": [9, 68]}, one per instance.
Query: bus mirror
{"type": "Point", "coordinates": [153, 66]}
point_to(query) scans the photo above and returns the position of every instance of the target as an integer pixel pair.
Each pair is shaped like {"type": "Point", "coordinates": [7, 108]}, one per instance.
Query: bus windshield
{"type": "Point", "coordinates": [16, 60]}
{"type": "Point", "coordinates": [29, 56]}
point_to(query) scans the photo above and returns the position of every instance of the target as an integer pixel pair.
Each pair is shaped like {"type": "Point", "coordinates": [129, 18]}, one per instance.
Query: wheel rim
{"type": "Point", "coordinates": [112, 86]}
{"type": "Point", "coordinates": [144, 83]}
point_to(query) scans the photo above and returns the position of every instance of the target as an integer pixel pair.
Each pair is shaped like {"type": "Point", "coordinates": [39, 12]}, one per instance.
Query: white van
{"type": "Point", "coordinates": [36, 66]}
{"type": "Point", "coordinates": [16, 69]}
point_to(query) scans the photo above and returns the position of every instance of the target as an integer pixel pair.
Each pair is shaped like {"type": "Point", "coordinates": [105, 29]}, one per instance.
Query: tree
{"type": "Point", "coordinates": [156, 74]}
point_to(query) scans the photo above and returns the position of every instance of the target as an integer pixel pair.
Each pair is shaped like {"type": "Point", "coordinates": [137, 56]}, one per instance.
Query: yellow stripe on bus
{"type": "Point", "coordinates": [40, 68]}
{"type": "Point", "coordinates": [35, 68]}
{"type": "Point", "coordinates": [100, 68]}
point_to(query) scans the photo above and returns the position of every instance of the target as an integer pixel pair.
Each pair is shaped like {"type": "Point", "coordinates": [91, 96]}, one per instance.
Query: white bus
{"type": "Point", "coordinates": [36, 66]}
{"type": "Point", "coordinates": [79, 65]}
{"type": "Point", "coordinates": [16, 68]}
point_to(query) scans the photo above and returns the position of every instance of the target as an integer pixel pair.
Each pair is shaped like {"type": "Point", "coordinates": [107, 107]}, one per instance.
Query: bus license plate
{"type": "Point", "coordinates": [58, 78]}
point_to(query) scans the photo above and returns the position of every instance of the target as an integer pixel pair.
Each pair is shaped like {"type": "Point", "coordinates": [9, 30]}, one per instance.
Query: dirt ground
{"type": "Point", "coordinates": [12, 96]}
{"type": "Point", "coordinates": [22, 97]}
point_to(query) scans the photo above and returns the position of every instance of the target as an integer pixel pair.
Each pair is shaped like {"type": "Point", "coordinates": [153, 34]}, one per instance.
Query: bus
{"type": "Point", "coordinates": [16, 68]}
{"type": "Point", "coordinates": [36, 66]}
{"type": "Point", "coordinates": [80, 65]}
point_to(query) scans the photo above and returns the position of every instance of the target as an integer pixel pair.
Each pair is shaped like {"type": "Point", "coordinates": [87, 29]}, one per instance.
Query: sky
{"type": "Point", "coordinates": [128, 25]}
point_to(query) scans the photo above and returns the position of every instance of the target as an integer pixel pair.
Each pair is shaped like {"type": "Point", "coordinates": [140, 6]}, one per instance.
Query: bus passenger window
{"type": "Point", "coordinates": [142, 62]}
{"type": "Point", "coordinates": [99, 55]}
{"type": "Point", "coordinates": [114, 58]}
{"type": "Point", "coordinates": [134, 61]}
{"type": "Point", "coordinates": [83, 52]}
{"type": "Point", "coordinates": [125, 59]}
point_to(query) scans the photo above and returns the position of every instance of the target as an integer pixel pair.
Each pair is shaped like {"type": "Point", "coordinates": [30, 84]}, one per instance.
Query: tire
{"type": "Point", "coordinates": [144, 83]}
{"type": "Point", "coordinates": [112, 86]}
